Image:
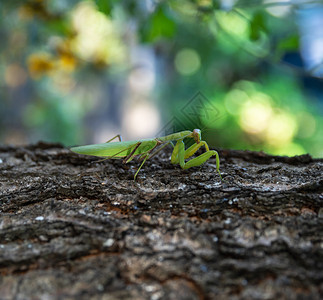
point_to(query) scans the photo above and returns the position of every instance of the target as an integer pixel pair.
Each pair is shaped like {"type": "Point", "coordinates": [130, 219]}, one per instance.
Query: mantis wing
{"type": "Point", "coordinates": [117, 149]}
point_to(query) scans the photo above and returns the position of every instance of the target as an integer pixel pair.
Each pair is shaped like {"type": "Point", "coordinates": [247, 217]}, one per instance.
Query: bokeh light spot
{"type": "Point", "coordinates": [141, 120]}
{"type": "Point", "coordinates": [15, 75]}
{"type": "Point", "coordinates": [308, 125]}
{"type": "Point", "coordinates": [256, 113]}
{"type": "Point", "coordinates": [187, 61]}
{"type": "Point", "coordinates": [234, 100]}
{"type": "Point", "coordinates": [232, 23]}
{"type": "Point", "coordinates": [278, 9]}
{"type": "Point", "coordinates": [281, 129]}
{"type": "Point", "coordinates": [289, 149]}
{"type": "Point", "coordinates": [142, 80]}
{"type": "Point", "coordinates": [97, 37]}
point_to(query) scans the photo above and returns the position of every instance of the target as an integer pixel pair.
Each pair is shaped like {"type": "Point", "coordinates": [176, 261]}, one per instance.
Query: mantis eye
{"type": "Point", "coordinates": [197, 135]}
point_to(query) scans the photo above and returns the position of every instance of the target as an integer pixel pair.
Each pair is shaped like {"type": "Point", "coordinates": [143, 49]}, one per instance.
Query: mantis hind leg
{"type": "Point", "coordinates": [117, 136]}
{"type": "Point", "coordinates": [131, 156]}
{"type": "Point", "coordinates": [148, 155]}
{"type": "Point", "coordinates": [128, 157]}
{"type": "Point", "coordinates": [120, 139]}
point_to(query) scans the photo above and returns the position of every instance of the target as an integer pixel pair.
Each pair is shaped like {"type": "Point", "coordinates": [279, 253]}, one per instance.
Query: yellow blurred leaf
{"type": "Point", "coordinates": [40, 64]}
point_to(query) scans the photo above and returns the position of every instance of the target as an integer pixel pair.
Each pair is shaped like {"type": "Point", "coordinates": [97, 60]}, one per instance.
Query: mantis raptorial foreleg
{"type": "Point", "coordinates": [180, 154]}
{"type": "Point", "coordinates": [191, 150]}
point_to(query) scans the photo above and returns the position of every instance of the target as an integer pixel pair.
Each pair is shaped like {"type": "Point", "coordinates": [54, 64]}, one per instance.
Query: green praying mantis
{"type": "Point", "coordinates": [147, 148]}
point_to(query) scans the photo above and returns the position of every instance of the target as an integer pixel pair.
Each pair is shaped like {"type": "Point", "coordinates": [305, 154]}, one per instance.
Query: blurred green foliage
{"type": "Point", "coordinates": [60, 56]}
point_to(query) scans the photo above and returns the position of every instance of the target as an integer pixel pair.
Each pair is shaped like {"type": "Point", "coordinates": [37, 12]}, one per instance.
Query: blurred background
{"type": "Point", "coordinates": [248, 73]}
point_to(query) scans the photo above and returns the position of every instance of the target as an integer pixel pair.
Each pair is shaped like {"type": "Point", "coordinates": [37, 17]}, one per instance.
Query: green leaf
{"type": "Point", "coordinates": [160, 25]}
{"type": "Point", "coordinates": [290, 43]}
{"type": "Point", "coordinates": [104, 6]}
{"type": "Point", "coordinates": [257, 26]}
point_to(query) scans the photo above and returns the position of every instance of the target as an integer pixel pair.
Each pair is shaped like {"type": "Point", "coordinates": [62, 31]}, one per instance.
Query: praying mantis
{"type": "Point", "coordinates": [147, 148]}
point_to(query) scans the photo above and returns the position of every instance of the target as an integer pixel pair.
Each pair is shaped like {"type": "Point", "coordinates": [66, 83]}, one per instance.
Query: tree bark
{"type": "Point", "coordinates": [75, 228]}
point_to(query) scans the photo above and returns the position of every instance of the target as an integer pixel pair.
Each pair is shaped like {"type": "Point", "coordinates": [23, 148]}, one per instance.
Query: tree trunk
{"type": "Point", "coordinates": [75, 228]}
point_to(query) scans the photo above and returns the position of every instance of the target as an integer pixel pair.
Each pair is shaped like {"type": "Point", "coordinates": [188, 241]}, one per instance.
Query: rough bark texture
{"type": "Point", "coordinates": [75, 228]}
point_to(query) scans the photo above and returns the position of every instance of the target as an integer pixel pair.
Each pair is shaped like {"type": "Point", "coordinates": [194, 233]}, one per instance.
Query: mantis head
{"type": "Point", "coordinates": [197, 135]}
